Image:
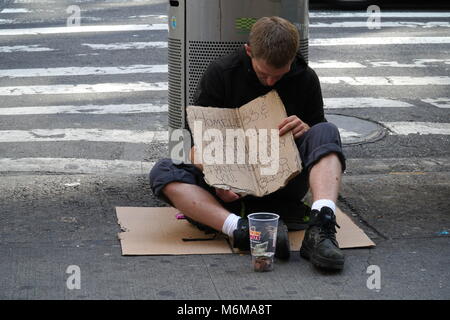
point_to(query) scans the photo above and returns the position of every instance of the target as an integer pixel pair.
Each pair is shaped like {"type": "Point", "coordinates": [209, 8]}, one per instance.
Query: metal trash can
{"type": "Point", "coordinates": [201, 31]}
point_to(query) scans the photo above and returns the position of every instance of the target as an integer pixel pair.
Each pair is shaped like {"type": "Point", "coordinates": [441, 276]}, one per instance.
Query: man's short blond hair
{"type": "Point", "coordinates": [274, 40]}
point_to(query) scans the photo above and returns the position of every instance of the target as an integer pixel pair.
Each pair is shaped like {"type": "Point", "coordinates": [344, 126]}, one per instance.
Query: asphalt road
{"type": "Point", "coordinates": [78, 116]}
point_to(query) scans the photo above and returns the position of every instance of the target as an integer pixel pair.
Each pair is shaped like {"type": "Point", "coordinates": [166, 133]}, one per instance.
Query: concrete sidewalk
{"type": "Point", "coordinates": [51, 222]}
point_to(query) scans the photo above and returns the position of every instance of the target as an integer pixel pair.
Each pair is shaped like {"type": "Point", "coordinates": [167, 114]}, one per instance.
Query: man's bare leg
{"type": "Point", "coordinates": [196, 203]}
{"type": "Point", "coordinates": [319, 243]}
{"type": "Point", "coordinates": [325, 178]}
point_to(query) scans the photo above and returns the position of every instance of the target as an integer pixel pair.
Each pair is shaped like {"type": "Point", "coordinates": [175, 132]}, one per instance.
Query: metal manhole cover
{"type": "Point", "coordinates": [356, 131]}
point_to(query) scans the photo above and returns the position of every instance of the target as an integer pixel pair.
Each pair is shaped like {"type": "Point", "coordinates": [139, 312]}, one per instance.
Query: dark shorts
{"type": "Point", "coordinates": [321, 140]}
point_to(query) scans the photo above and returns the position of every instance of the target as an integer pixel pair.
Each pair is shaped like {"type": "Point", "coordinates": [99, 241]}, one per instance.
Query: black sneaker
{"type": "Point", "coordinates": [319, 244]}
{"type": "Point", "coordinates": [241, 239]}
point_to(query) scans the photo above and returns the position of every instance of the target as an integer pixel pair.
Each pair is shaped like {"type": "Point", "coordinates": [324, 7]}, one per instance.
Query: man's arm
{"type": "Point", "coordinates": [210, 89]}
{"type": "Point", "coordinates": [315, 101]}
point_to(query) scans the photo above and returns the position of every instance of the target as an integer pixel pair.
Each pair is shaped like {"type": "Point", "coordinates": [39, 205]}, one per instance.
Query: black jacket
{"type": "Point", "coordinates": [231, 82]}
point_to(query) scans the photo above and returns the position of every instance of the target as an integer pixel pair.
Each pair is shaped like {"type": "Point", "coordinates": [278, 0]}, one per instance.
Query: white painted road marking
{"type": "Point", "coordinates": [84, 88]}
{"type": "Point", "coordinates": [361, 102]}
{"type": "Point", "coordinates": [75, 165]}
{"type": "Point", "coordinates": [387, 24]}
{"type": "Point", "coordinates": [15, 10]}
{"type": "Point", "coordinates": [83, 29]}
{"type": "Point", "coordinates": [405, 128]}
{"type": "Point", "coordinates": [383, 14]}
{"type": "Point", "coordinates": [86, 109]}
{"type": "Point", "coordinates": [439, 102]}
{"type": "Point", "coordinates": [163, 86]}
{"type": "Point", "coordinates": [126, 45]}
{"type": "Point", "coordinates": [69, 134]}
{"type": "Point", "coordinates": [25, 48]}
{"type": "Point", "coordinates": [82, 71]}
{"type": "Point", "coordinates": [416, 63]}
{"type": "Point", "coordinates": [387, 81]}
{"type": "Point", "coordinates": [378, 41]}
{"type": "Point", "coordinates": [147, 137]}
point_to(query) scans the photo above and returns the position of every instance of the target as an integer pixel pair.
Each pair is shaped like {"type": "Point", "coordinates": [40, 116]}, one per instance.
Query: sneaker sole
{"type": "Point", "coordinates": [321, 262]}
{"type": "Point", "coordinates": [325, 263]}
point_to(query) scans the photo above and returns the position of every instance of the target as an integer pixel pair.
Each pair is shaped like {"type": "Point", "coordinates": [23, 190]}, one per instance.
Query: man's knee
{"type": "Point", "coordinates": [320, 140]}
{"type": "Point", "coordinates": [327, 131]}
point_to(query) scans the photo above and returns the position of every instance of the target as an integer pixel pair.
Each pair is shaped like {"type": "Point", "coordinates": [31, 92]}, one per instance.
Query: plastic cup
{"type": "Point", "coordinates": [263, 239]}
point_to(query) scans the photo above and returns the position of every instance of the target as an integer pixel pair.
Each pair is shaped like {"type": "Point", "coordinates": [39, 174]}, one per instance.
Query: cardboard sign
{"type": "Point", "coordinates": [241, 150]}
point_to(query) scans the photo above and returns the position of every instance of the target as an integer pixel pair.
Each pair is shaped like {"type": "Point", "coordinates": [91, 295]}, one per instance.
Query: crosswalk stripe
{"type": "Point", "coordinates": [82, 71]}
{"type": "Point", "coordinates": [362, 102]}
{"type": "Point", "coordinates": [312, 42]}
{"type": "Point", "coordinates": [439, 102]}
{"type": "Point", "coordinates": [329, 103]}
{"type": "Point", "coordinates": [163, 86]}
{"type": "Point", "coordinates": [25, 48]}
{"type": "Point", "coordinates": [383, 14]}
{"type": "Point", "coordinates": [387, 81]}
{"type": "Point", "coordinates": [97, 135]}
{"type": "Point", "coordinates": [84, 29]}
{"type": "Point", "coordinates": [416, 63]}
{"type": "Point", "coordinates": [84, 88]}
{"type": "Point", "coordinates": [126, 45]}
{"type": "Point", "coordinates": [148, 137]}
{"type": "Point", "coordinates": [405, 128]}
{"type": "Point", "coordinates": [85, 109]}
{"type": "Point", "coordinates": [75, 165]}
{"type": "Point", "coordinates": [134, 69]}
{"type": "Point", "coordinates": [111, 167]}
{"type": "Point", "coordinates": [383, 24]}
{"type": "Point", "coordinates": [15, 10]}
{"type": "Point", "coordinates": [353, 41]}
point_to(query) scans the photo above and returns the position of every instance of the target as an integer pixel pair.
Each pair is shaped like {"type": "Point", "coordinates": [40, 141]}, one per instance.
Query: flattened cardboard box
{"type": "Point", "coordinates": [156, 231]}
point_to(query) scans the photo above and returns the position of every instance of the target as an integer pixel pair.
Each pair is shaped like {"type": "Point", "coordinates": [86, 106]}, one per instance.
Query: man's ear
{"type": "Point", "coordinates": [248, 50]}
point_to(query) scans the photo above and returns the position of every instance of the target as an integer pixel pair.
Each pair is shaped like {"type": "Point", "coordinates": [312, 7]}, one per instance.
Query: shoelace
{"type": "Point", "coordinates": [327, 227]}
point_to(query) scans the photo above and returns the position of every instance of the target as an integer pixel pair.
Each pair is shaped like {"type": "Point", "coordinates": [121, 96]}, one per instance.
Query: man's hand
{"type": "Point", "coordinates": [294, 124]}
{"type": "Point", "coordinates": [227, 195]}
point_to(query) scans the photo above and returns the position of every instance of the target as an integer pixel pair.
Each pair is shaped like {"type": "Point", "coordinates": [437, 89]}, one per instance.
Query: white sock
{"type": "Point", "coordinates": [230, 224]}
{"type": "Point", "coordinates": [318, 204]}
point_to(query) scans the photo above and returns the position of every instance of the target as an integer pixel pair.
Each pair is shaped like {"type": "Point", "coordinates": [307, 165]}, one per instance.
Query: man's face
{"type": "Point", "coordinates": [267, 74]}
